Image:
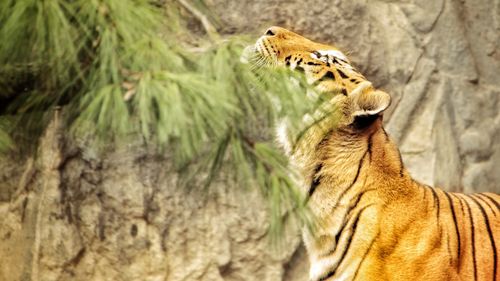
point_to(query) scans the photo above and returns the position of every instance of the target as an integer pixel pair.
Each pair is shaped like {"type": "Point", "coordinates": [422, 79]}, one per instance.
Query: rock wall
{"type": "Point", "coordinates": [70, 215]}
{"type": "Point", "coordinates": [439, 60]}
{"type": "Point", "coordinates": [121, 217]}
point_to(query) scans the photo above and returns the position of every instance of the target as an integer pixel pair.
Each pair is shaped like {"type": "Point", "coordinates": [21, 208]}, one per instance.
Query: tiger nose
{"type": "Point", "coordinates": [274, 30]}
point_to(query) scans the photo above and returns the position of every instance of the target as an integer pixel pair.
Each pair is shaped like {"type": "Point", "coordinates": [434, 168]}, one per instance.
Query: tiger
{"type": "Point", "coordinates": [375, 222]}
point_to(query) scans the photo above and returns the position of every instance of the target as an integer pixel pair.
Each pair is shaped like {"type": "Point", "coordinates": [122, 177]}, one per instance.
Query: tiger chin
{"type": "Point", "coordinates": [375, 221]}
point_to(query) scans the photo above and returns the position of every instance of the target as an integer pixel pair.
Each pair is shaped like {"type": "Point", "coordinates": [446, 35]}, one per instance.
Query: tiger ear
{"type": "Point", "coordinates": [371, 102]}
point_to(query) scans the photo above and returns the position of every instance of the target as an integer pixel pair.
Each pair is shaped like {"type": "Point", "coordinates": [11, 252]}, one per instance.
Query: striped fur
{"type": "Point", "coordinates": [375, 221]}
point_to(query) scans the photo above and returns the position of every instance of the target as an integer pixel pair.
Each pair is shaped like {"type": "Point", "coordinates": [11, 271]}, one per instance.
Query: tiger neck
{"type": "Point", "coordinates": [353, 174]}
{"type": "Point", "coordinates": [346, 164]}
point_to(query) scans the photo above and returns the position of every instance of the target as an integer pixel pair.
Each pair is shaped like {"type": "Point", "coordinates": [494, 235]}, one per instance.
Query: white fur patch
{"type": "Point", "coordinates": [283, 137]}
{"type": "Point", "coordinates": [360, 88]}
{"type": "Point", "coordinates": [321, 266]}
{"type": "Point", "coordinates": [320, 57]}
{"type": "Point", "coordinates": [314, 55]}
{"type": "Point", "coordinates": [334, 53]}
{"type": "Point", "coordinates": [344, 277]}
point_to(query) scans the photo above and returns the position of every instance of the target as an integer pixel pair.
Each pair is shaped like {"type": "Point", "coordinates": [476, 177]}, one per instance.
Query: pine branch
{"type": "Point", "coordinates": [106, 63]}
{"type": "Point", "coordinates": [207, 25]}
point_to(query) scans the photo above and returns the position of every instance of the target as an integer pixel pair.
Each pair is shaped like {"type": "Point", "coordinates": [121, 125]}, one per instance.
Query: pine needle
{"type": "Point", "coordinates": [121, 71]}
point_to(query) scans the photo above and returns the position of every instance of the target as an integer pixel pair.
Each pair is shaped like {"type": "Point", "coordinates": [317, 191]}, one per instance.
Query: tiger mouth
{"type": "Point", "coordinates": [257, 56]}
{"type": "Point", "coordinates": [249, 54]}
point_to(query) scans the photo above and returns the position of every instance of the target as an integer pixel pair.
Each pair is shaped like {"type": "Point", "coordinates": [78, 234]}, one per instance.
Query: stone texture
{"type": "Point", "coordinates": [438, 59]}
{"type": "Point", "coordinates": [70, 215]}
{"type": "Point", "coordinates": [121, 216]}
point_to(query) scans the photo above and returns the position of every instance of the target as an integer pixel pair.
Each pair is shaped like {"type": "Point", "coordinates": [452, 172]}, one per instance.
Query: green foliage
{"type": "Point", "coordinates": [119, 70]}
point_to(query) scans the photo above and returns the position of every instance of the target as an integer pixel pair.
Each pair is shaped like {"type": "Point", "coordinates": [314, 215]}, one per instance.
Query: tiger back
{"type": "Point", "coordinates": [375, 221]}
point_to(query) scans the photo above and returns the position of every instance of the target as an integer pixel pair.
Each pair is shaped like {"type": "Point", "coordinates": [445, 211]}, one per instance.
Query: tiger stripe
{"type": "Point", "coordinates": [316, 179]}
{"type": "Point", "coordinates": [349, 234]}
{"type": "Point", "coordinates": [436, 201]}
{"type": "Point", "coordinates": [457, 232]}
{"type": "Point", "coordinates": [496, 203]}
{"type": "Point", "coordinates": [483, 201]}
{"type": "Point", "coordinates": [490, 234]}
{"type": "Point", "coordinates": [488, 201]}
{"type": "Point", "coordinates": [364, 257]}
{"type": "Point", "coordinates": [473, 240]}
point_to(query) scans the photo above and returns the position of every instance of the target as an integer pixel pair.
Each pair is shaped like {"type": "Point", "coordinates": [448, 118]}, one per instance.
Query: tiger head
{"type": "Point", "coordinates": [327, 69]}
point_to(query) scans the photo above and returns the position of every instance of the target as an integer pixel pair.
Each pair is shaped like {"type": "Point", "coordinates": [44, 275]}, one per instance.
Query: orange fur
{"type": "Point", "coordinates": [376, 222]}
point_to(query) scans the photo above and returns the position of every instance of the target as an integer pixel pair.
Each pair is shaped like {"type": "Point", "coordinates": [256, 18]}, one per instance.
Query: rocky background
{"type": "Point", "coordinates": [71, 215]}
